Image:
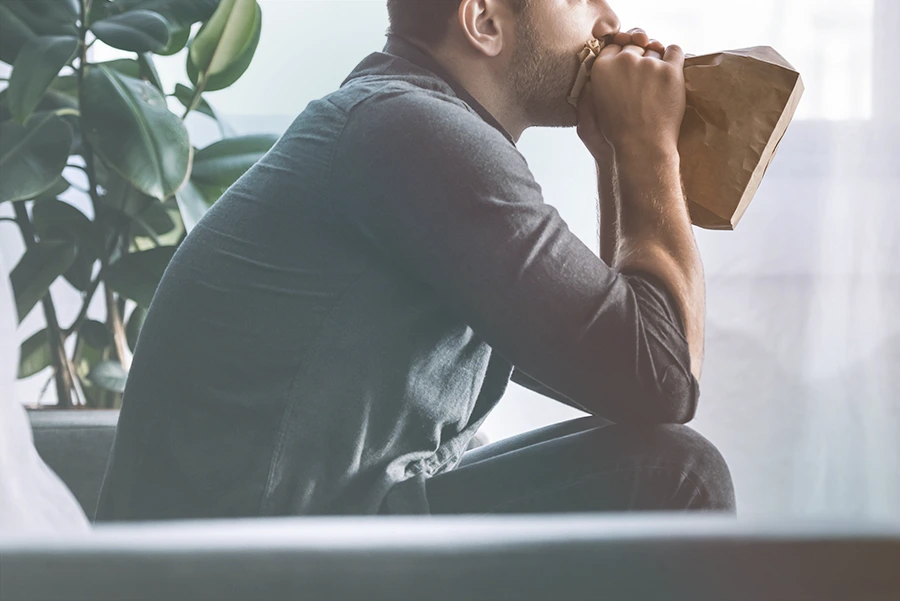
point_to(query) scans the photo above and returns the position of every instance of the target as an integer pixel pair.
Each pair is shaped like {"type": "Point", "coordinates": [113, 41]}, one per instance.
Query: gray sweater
{"type": "Point", "coordinates": [340, 323]}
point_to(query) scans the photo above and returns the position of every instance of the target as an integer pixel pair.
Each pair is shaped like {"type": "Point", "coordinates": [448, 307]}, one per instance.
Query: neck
{"type": "Point", "coordinates": [484, 81]}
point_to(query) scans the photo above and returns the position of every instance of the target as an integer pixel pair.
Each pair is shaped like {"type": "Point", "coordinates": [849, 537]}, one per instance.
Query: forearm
{"type": "Point", "coordinates": [608, 210]}
{"type": "Point", "coordinates": [655, 235]}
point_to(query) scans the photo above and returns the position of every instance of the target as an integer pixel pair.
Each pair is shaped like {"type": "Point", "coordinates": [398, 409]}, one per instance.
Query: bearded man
{"type": "Point", "coordinates": [332, 334]}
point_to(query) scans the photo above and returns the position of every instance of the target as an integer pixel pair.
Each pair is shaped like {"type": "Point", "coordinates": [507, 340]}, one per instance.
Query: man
{"type": "Point", "coordinates": [334, 331]}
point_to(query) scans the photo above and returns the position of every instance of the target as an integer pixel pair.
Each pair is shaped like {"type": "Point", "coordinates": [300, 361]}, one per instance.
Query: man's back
{"type": "Point", "coordinates": [287, 365]}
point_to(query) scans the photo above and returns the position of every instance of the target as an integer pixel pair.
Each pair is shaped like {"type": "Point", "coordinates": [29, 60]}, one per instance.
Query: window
{"type": "Point", "coordinates": [829, 41]}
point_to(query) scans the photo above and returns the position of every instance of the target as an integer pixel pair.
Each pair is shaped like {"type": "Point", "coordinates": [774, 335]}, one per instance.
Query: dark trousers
{"type": "Point", "coordinates": [588, 464]}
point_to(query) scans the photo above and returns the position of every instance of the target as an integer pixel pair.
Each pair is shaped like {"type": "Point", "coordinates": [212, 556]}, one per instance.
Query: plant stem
{"type": "Point", "coordinates": [113, 319]}
{"type": "Point", "coordinates": [88, 148]}
{"type": "Point", "coordinates": [58, 358]}
{"type": "Point", "coordinates": [43, 390]}
{"type": "Point", "coordinates": [195, 98]}
{"type": "Point", "coordinates": [117, 327]}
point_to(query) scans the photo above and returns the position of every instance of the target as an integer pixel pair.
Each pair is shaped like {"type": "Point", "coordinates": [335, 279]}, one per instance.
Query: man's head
{"type": "Point", "coordinates": [527, 48]}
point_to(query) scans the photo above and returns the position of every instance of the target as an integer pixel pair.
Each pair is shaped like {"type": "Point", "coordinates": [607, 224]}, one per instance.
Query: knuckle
{"type": "Point", "coordinates": [668, 73]}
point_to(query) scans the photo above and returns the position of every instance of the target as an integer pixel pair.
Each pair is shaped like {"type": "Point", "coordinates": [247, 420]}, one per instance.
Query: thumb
{"type": "Point", "coordinates": [675, 55]}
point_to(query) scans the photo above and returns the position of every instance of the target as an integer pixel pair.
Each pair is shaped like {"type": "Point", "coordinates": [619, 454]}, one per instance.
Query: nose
{"type": "Point", "coordinates": [607, 21]}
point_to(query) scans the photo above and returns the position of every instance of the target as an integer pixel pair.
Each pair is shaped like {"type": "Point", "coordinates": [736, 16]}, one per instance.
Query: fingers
{"type": "Point", "coordinates": [610, 50]}
{"type": "Point", "coordinates": [656, 46]}
{"type": "Point", "coordinates": [613, 50]}
{"type": "Point", "coordinates": [634, 49]}
{"type": "Point", "coordinates": [633, 36]}
{"type": "Point", "coordinates": [621, 39]}
{"type": "Point", "coordinates": [639, 37]}
{"type": "Point", "coordinates": [675, 55]}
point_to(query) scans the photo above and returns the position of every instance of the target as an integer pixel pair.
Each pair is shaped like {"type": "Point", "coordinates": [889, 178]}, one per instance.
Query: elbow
{"type": "Point", "coordinates": [674, 398]}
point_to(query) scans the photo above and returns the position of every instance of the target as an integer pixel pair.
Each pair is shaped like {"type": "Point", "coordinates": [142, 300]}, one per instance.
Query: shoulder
{"type": "Point", "coordinates": [402, 126]}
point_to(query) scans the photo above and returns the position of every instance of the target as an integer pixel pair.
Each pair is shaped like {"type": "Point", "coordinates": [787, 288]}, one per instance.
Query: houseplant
{"type": "Point", "coordinates": [111, 125]}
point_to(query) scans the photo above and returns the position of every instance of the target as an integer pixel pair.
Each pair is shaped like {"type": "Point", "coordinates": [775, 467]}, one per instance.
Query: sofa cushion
{"type": "Point", "coordinates": [76, 445]}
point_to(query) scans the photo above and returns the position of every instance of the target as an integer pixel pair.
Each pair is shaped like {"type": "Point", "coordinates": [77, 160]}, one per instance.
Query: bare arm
{"type": "Point", "coordinates": [635, 105]}
{"type": "Point", "coordinates": [656, 235]}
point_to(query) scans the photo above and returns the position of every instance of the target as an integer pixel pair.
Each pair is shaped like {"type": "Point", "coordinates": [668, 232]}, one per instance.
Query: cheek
{"type": "Point", "coordinates": [572, 31]}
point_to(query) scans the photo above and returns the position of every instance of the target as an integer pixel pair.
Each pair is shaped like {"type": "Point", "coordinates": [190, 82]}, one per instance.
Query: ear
{"type": "Point", "coordinates": [486, 24]}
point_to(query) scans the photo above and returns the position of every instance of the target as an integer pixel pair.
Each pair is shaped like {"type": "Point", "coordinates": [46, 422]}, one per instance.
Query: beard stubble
{"type": "Point", "coordinates": [542, 78]}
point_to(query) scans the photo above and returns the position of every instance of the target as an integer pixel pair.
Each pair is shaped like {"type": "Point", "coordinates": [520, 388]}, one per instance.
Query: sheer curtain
{"type": "Point", "coordinates": [801, 386]}
{"type": "Point", "coordinates": [33, 499]}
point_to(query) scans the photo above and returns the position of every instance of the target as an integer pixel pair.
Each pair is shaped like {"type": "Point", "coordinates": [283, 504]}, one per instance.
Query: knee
{"type": "Point", "coordinates": [698, 459]}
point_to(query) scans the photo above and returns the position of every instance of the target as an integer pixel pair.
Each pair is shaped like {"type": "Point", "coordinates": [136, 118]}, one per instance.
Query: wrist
{"type": "Point", "coordinates": [649, 180]}
{"type": "Point", "coordinates": [638, 151]}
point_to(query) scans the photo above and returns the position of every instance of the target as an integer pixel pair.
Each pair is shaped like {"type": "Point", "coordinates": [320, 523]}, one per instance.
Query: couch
{"type": "Point", "coordinates": [461, 558]}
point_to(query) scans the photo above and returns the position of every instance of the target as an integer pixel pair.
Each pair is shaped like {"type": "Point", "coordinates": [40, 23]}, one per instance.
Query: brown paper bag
{"type": "Point", "coordinates": [739, 104]}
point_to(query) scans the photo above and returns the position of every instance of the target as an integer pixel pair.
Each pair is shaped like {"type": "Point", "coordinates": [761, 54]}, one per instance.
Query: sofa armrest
{"type": "Point", "coordinates": [76, 444]}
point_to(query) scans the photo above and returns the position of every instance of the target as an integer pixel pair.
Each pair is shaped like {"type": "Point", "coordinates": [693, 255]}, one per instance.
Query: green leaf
{"type": "Point", "coordinates": [219, 165]}
{"type": "Point", "coordinates": [124, 198]}
{"type": "Point", "coordinates": [134, 132]}
{"type": "Point", "coordinates": [155, 219]}
{"type": "Point", "coordinates": [60, 186]}
{"type": "Point", "coordinates": [37, 269]}
{"type": "Point", "coordinates": [134, 31]}
{"type": "Point", "coordinates": [184, 95]}
{"type": "Point", "coordinates": [14, 33]}
{"type": "Point", "coordinates": [36, 67]}
{"type": "Point", "coordinates": [23, 20]}
{"type": "Point", "coordinates": [58, 219]}
{"type": "Point", "coordinates": [32, 156]}
{"type": "Point", "coordinates": [148, 70]}
{"type": "Point", "coordinates": [95, 334]}
{"type": "Point", "coordinates": [137, 275]}
{"type": "Point", "coordinates": [55, 219]}
{"type": "Point", "coordinates": [227, 41]}
{"type": "Point", "coordinates": [182, 13]}
{"type": "Point", "coordinates": [49, 17]}
{"type": "Point", "coordinates": [192, 204]}
{"type": "Point", "coordinates": [56, 97]}
{"type": "Point", "coordinates": [125, 66]}
{"type": "Point", "coordinates": [87, 358]}
{"type": "Point", "coordinates": [177, 41]}
{"type": "Point", "coordinates": [222, 80]}
{"type": "Point", "coordinates": [109, 375]}
{"type": "Point", "coordinates": [133, 328]}
{"type": "Point", "coordinates": [141, 68]}
{"type": "Point", "coordinates": [35, 355]}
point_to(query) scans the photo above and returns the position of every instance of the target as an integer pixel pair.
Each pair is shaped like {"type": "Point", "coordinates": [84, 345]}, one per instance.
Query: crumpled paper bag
{"type": "Point", "coordinates": [739, 105]}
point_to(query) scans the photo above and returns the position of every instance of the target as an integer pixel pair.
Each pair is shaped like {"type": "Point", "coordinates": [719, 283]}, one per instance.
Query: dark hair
{"type": "Point", "coordinates": [428, 20]}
